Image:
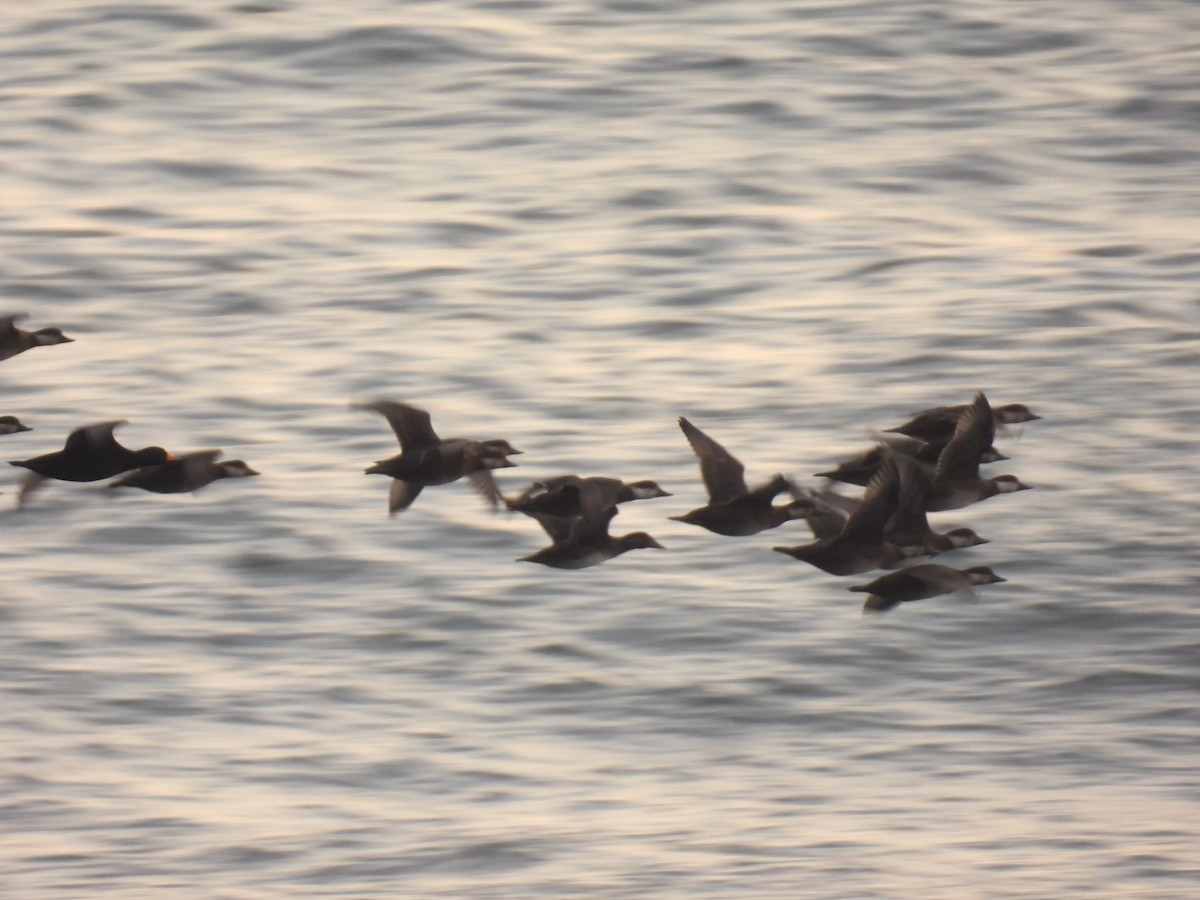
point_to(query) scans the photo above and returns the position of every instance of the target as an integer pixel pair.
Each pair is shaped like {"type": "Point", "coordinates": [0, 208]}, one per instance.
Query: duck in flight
{"type": "Point", "coordinates": [733, 509]}
{"type": "Point", "coordinates": [426, 459]}
{"type": "Point", "coordinates": [187, 472]}
{"type": "Point", "coordinates": [582, 541]}
{"type": "Point", "coordinates": [922, 581]}
{"type": "Point", "coordinates": [956, 479]}
{"type": "Point", "coordinates": [91, 453]}
{"type": "Point", "coordinates": [861, 544]}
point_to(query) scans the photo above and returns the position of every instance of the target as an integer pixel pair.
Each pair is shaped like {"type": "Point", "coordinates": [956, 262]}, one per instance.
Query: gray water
{"type": "Point", "coordinates": [566, 224]}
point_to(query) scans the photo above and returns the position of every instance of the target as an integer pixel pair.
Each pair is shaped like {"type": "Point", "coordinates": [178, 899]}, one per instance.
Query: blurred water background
{"type": "Point", "coordinates": [566, 224]}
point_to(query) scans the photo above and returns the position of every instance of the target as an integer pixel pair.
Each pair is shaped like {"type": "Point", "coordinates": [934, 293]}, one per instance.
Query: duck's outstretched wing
{"type": "Point", "coordinates": [973, 435]}
{"type": "Point", "coordinates": [413, 427]}
{"type": "Point", "coordinates": [8, 325]}
{"type": "Point", "coordinates": [485, 485]}
{"type": "Point", "coordinates": [31, 483]}
{"type": "Point", "coordinates": [724, 476]}
{"type": "Point", "coordinates": [401, 495]}
{"type": "Point", "coordinates": [908, 521]}
{"type": "Point", "coordinates": [868, 520]}
{"type": "Point", "coordinates": [93, 438]}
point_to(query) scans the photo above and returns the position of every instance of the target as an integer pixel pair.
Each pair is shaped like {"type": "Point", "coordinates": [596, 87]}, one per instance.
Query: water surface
{"type": "Point", "coordinates": [567, 224]}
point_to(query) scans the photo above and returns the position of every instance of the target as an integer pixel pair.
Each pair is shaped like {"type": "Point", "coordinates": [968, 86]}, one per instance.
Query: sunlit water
{"type": "Point", "coordinates": [566, 224]}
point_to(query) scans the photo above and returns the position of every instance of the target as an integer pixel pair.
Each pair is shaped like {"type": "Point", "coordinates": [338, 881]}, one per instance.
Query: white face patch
{"type": "Point", "coordinates": [47, 337]}
{"type": "Point", "coordinates": [983, 578]}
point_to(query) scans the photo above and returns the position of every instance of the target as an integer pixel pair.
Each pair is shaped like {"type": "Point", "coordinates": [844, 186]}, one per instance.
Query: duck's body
{"type": "Point", "coordinates": [563, 495]}
{"type": "Point", "coordinates": [749, 513]}
{"type": "Point", "coordinates": [443, 463]}
{"type": "Point", "coordinates": [830, 512]}
{"type": "Point", "coordinates": [90, 453]}
{"type": "Point", "coordinates": [921, 581]}
{"type": "Point", "coordinates": [937, 425]}
{"type": "Point", "coordinates": [188, 472]}
{"type": "Point", "coordinates": [733, 509]}
{"type": "Point", "coordinates": [846, 557]}
{"type": "Point", "coordinates": [426, 460]}
{"type": "Point", "coordinates": [14, 340]}
{"type": "Point", "coordinates": [584, 541]}
{"type": "Point", "coordinates": [859, 469]}
{"type": "Point", "coordinates": [861, 544]}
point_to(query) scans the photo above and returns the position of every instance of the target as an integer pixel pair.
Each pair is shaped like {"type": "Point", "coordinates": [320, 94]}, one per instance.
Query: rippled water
{"type": "Point", "coordinates": [567, 224]}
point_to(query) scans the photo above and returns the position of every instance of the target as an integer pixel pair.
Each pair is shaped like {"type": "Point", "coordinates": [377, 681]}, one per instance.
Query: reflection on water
{"type": "Point", "coordinates": [571, 224]}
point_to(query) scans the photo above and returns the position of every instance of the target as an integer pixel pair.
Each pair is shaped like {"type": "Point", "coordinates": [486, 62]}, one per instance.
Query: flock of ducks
{"type": "Point", "coordinates": [929, 464]}
{"type": "Point", "coordinates": [91, 453]}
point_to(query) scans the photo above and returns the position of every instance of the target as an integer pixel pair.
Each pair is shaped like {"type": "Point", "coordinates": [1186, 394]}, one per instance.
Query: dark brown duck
{"type": "Point", "coordinates": [583, 541]}
{"type": "Point", "coordinates": [187, 472]}
{"type": "Point", "coordinates": [937, 425]}
{"type": "Point", "coordinates": [733, 509]}
{"type": "Point", "coordinates": [90, 453]}
{"type": "Point", "coordinates": [956, 478]}
{"type": "Point", "coordinates": [920, 582]}
{"type": "Point", "coordinates": [861, 544]}
{"type": "Point", "coordinates": [425, 459]}
{"type": "Point", "coordinates": [13, 340]}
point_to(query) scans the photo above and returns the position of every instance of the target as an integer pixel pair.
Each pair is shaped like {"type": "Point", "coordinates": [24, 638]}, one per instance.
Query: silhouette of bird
{"type": "Point", "coordinates": [581, 541]}
{"type": "Point", "coordinates": [919, 582]}
{"type": "Point", "coordinates": [425, 459]}
{"type": "Point", "coordinates": [562, 495]}
{"type": "Point", "coordinates": [187, 472]}
{"type": "Point", "coordinates": [937, 425]}
{"type": "Point", "coordinates": [91, 453]}
{"type": "Point", "coordinates": [732, 508]}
